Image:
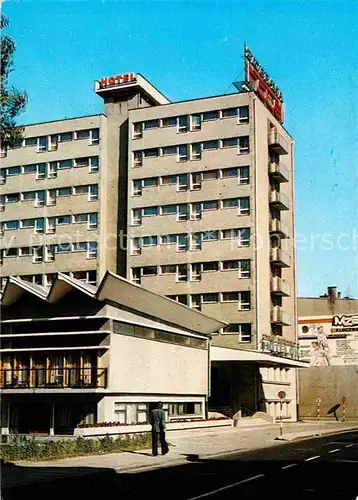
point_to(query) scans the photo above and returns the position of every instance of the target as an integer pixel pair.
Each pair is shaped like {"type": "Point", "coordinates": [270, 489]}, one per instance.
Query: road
{"type": "Point", "coordinates": [324, 467]}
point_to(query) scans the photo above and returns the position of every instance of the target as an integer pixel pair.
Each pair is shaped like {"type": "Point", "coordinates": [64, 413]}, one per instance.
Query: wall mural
{"type": "Point", "coordinates": [319, 352]}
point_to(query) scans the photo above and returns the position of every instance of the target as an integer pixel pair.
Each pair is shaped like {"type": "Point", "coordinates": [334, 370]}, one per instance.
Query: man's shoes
{"type": "Point", "coordinates": [155, 454]}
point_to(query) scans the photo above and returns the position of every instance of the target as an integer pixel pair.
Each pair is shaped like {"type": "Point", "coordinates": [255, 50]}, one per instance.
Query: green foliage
{"type": "Point", "coordinates": [12, 101]}
{"type": "Point", "coordinates": [32, 450]}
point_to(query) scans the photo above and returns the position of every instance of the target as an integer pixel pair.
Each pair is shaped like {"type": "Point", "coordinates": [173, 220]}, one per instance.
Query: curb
{"type": "Point", "coordinates": [316, 434]}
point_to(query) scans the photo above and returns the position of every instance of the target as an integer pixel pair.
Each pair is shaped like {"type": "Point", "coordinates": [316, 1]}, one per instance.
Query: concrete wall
{"type": "Point", "coordinates": [329, 383]}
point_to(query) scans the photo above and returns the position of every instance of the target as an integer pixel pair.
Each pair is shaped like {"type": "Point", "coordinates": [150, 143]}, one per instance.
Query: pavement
{"type": "Point", "coordinates": [185, 446]}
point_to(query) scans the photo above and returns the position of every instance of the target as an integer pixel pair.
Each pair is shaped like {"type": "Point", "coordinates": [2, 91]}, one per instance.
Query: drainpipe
{"type": "Point", "coordinates": [209, 380]}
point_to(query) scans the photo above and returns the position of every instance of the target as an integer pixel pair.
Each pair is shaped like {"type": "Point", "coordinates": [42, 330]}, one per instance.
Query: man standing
{"type": "Point", "coordinates": [157, 421]}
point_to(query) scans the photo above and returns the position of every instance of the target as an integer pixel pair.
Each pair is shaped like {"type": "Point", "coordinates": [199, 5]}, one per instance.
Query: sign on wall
{"type": "Point", "coordinates": [263, 85]}
{"type": "Point", "coordinates": [115, 80]}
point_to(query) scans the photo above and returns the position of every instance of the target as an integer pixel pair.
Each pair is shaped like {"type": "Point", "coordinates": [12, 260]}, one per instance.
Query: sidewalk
{"type": "Point", "coordinates": [185, 446]}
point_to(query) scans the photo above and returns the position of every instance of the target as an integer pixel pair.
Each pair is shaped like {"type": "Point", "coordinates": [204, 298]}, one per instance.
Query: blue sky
{"type": "Point", "coordinates": [195, 49]}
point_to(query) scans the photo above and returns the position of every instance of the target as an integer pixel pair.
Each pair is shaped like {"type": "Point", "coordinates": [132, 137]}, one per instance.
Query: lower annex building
{"type": "Point", "coordinates": [191, 199]}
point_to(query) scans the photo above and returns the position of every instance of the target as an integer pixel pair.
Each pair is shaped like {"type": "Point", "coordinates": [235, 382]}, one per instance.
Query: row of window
{"type": "Point", "coordinates": [193, 151]}
{"type": "Point", "coordinates": [48, 197]}
{"type": "Point", "coordinates": [47, 253]}
{"type": "Point", "coordinates": [196, 300]}
{"type": "Point", "coordinates": [47, 279]}
{"type": "Point", "coordinates": [49, 170]}
{"type": "Point", "coordinates": [50, 142]}
{"type": "Point", "coordinates": [49, 225]}
{"type": "Point", "coordinates": [192, 181]}
{"type": "Point", "coordinates": [192, 241]}
{"type": "Point", "coordinates": [194, 271]}
{"type": "Point", "coordinates": [139, 413]}
{"type": "Point", "coordinates": [191, 211]}
{"type": "Point", "coordinates": [193, 122]}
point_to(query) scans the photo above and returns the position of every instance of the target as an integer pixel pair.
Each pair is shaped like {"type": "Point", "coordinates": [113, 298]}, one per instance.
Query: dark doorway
{"type": "Point", "coordinates": [26, 418]}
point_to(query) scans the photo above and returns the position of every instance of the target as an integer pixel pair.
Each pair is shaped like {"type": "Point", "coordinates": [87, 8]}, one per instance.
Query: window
{"type": "Point", "coordinates": [91, 249]}
{"type": "Point", "coordinates": [243, 237]}
{"type": "Point", "coordinates": [30, 169]}
{"type": "Point", "coordinates": [210, 175]}
{"type": "Point", "coordinates": [230, 203]}
{"type": "Point", "coordinates": [136, 217]}
{"type": "Point", "coordinates": [39, 225]}
{"type": "Point", "coordinates": [195, 181]}
{"type": "Point", "coordinates": [31, 141]}
{"type": "Point", "coordinates": [229, 234]}
{"type": "Point", "coordinates": [41, 171]}
{"type": "Point", "coordinates": [196, 239]}
{"type": "Point", "coordinates": [94, 164]}
{"type": "Point", "coordinates": [150, 182]}
{"type": "Point", "coordinates": [137, 158]}
{"type": "Point", "coordinates": [207, 145]}
{"type": "Point", "coordinates": [10, 252]}
{"type": "Point", "coordinates": [209, 205]}
{"type": "Point", "coordinates": [42, 144]}
{"type": "Point", "coordinates": [13, 171]}
{"type": "Point", "coordinates": [196, 151]}
{"type": "Point", "coordinates": [78, 218]}
{"type": "Point", "coordinates": [65, 137]}
{"type": "Point", "coordinates": [210, 266]}
{"type": "Point", "coordinates": [120, 413]}
{"type": "Point", "coordinates": [182, 244]}
{"type": "Point", "coordinates": [243, 114]}
{"type": "Point", "coordinates": [51, 225]}
{"type": "Point", "coordinates": [65, 164]}
{"type": "Point", "coordinates": [230, 265]}
{"type": "Point", "coordinates": [169, 150]}
{"type": "Point", "coordinates": [65, 191]}
{"type": "Point", "coordinates": [150, 124]}
{"type": "Point", "coordinates": [244, 268]}
{"type": "Point", "coordinates": [210, 235]}
{"type": "Point", "coordinates": [182, 272]}
{"type": "Point", "coordinates": [168, 179]}
{"type": "Point", "coordinates": [26, 223]}
{"type": "Point", "coordinates": [53, 142]}
{"type": "Point", "coordinates": [210, 298]}
{"type": "Point", "coordinates": [149, 211]}
{"type": "Point", "coordinates": [183, 153]}
{"type": "Point", "coordinates": [195, 272]}
{"type": "Point", "coordinates": [168, 239]}
{"type": "Point", "coordinates": [94, 138]}
{"type": "Point", "coordinates": [243, 330]}
{"type": "Point", "coordinates": [63, 248]}
{"type": "Point", "coordinates": [183, 124]}
{"type": "Point", "coordinates": [228, 113]}
{"type": "Point", "coordinates": [150, 153]}
{"type": "Point", "coordinates": [149, 271]}
{"type": "Point", "coordinates": [92, 221]}
{"type": "Point", "coordinates": [137, 130]}
{"type": "Point", "coordinates": [229, 172]}
{"type": "Point", "coordinates": [136, 275]}
{"type": "Point", "coordinates": [195, 213]}
{"type": "Point", "coordinates": [49, 253]}
{"type": "Point", "coordinates": [169, 122]}
{"type": "Point", "coordinates": [182, 184]}
{"type": "Point", "coordinates": [229, 143]}
{"type": "Point", "coordinates": [39, 198]}
{"type": "Point", "coordinates": [195, 122]}
{"type": "Point", "coordinates": [136, 246]}
{"type": "Point", "coordinates": [82, 134]}
{"type": "Point", "coordinates": [169, 210]}
{"type": "Point", "coordinates": [182, 212]}
{"type": "Point", "coordinates": [52, 169]}
{"type": "Point", "coordinates": [244, 145]}
{"type": "Point", "coordinates": [244, 206]}
{"type": "Point", "coordinates": [93, 192]}
{"type": "Point", "coordinates": [168, 269]}
{"type": "Point", "coordinates": [229, 296]}
{"type": "Point", "coordinates": [244, 175]}
{"type": "Point", "coordinates": [25, 251]}
{"type": "Point", "coordinates": [209, 115]}
{"type": "Point", "coordinates": [195, 301]}
{"type": "Point", "coordinates": [10, 224]}
{"type": "Point", "coordinates": [37, 254]}
{"type": "Point", "coordinates": [79, 246]}
{"type": "Point", "coordinates": [82, 162]}
{"type": "Point", "coordinates": [149, 241]}
{"type": "Point", "coordinates": [244, 301]}
{"type": "Point", "coordinates": [137, 188]}
{"type": "Point", "coordinates": [63, 219]}
{"type": "Point", "coordinates": [12, 198]}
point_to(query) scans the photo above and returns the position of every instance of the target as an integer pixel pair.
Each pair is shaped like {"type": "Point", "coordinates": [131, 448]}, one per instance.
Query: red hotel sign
{"type": "Point", "coordinates": [117, 80]}
{"type": "Point", "coordinates": [264, 87]}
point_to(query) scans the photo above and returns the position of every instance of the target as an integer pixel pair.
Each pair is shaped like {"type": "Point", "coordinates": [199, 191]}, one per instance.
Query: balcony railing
{"type": "Point", "coordinates": [278, 143]}
{"type": "Point", "coordinates": [280, 317]}
{"type": "Point", "coordinates": [279, 172]}
{"type": "Point", "coordinates": [280, 258]}
{"type": "Point", "coordinates": [280, 286]}
{"type": "Point", "coordinates": [54, 378]}
{"type": "Point", "coordinates": [279, 200]}
{"type": "Point", "coordinates": [278, 227]}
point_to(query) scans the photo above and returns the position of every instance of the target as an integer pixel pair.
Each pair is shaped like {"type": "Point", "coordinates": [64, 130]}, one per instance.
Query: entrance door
{"type": "Point", "coordinates": [26, 418]}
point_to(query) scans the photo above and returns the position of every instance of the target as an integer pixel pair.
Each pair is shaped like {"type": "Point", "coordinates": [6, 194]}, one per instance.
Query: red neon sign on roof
{"type": "Point", "coordinates": [116, 80]}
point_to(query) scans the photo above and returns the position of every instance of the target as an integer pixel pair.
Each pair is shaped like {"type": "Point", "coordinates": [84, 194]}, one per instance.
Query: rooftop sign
{"type": "Point", "coordinates": [115, 81]}
{"type": "Point", "coordinates": [264, 87]}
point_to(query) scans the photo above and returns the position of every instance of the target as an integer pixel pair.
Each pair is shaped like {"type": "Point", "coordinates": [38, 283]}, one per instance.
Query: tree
{"type": "Point", "coordinates": [12, 101]}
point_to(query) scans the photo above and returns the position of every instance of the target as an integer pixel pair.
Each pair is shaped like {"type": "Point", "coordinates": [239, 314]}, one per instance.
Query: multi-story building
{"type": "Point", "coordinates": [191, 199]}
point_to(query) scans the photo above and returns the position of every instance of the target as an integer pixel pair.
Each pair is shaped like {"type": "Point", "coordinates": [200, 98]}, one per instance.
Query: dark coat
{"type": "Point", "coordinates": [157, 420]}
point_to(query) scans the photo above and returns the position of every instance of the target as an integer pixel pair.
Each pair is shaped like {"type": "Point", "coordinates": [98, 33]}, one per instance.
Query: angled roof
{"type": "Point", "coordinates": [121, 292]}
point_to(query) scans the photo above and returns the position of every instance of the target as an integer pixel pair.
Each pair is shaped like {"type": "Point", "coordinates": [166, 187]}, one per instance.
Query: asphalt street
{"type": "Point", "coordinates": [325, 467]}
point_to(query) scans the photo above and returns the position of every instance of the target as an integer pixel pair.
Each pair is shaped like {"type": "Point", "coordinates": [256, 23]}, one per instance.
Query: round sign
{"type": "Point", "coordinates": [282, 394]}
{"type": "Point", "coordinates": [318, 400]}
{"type": "Point", "coordinates": [344, 399]}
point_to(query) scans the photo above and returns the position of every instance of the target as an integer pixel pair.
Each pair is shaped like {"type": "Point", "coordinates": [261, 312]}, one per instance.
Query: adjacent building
{"type": "Point", "coordinates": [191, 199]}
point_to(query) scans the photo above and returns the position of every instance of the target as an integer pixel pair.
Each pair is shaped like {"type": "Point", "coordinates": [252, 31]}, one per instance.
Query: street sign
{"type": "Point", "coordinates": [318, 400]}
{"type": "Point", "coordinates": [281, 394]}
{"type": "Point", "coordinates": [344, 399]}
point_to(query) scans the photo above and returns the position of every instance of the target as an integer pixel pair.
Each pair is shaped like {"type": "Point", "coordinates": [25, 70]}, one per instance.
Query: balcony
{"type": "Point", "coordinates": [280, 258]}
{"type": "Point", "coordinates": [279, 172]}
{"type": "Point", "coordinates": [278, 143]}
{"type": "Point", "coordinates": [280, 317]}
{"type": "Point", "coordinates": [278, 227]}
{"type": "Point", "coordinates": [54, 378]}
{"type": "Point", "coordinates": [280, 287]}
{"type": "Point", "coordinates": [279, 200]}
